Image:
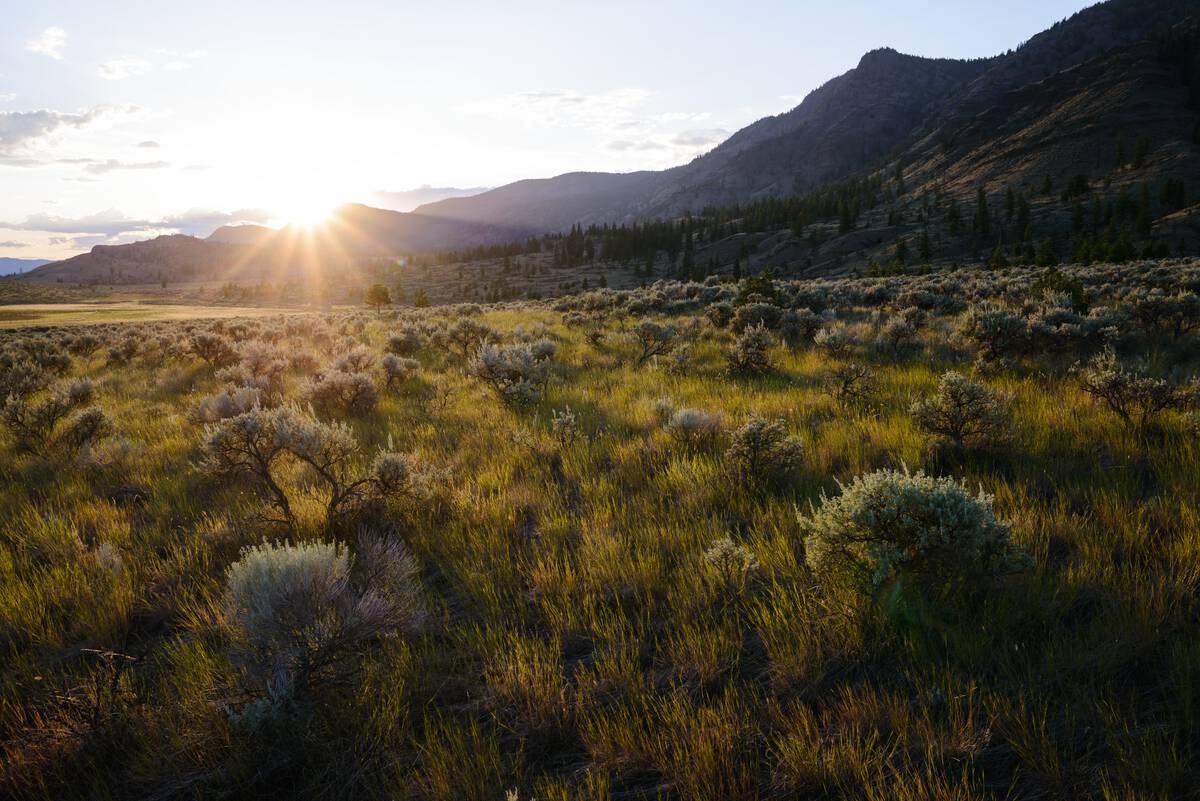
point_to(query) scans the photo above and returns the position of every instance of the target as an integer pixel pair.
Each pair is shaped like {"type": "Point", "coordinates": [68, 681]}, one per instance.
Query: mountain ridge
{"type": "Point", "coordinates": [1044, 113]}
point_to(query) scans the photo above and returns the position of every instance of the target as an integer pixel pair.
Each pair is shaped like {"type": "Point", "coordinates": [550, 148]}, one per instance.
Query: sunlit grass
{"type": "Point", "coordinates": [578, 647]}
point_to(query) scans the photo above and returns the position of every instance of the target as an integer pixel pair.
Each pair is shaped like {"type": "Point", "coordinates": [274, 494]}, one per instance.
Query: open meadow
{"type": "Point", "coordinates": [915, 537]}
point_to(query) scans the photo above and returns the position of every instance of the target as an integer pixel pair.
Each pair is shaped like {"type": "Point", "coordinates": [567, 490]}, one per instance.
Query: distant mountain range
{"type": "Point", "coordinates": [14, 266]}
{"type": "Point", "coordinates": [354, 233]}
{"type": "Point", "coordinates": [409, 199]}
{"type": "Point", "coordinates": [1059, 107]}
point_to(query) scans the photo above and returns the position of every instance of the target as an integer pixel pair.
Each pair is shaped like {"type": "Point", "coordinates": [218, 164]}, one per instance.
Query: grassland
{"type": "Point", "coordinates": [578, 643]}
{"type": "Point", "coordinates": [20, 315]}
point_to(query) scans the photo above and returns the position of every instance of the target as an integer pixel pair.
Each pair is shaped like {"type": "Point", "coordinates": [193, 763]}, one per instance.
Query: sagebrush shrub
{"type": "Point", "coordinates": [564, 425]}
{"type": "Point", "coordinates": [86, 427]}
{"type": "Point", "coordinates": [1130, 393]}
{"type": "Point", "coordinates": [358, 359]}
{"type": "Point", "coordinates": [995, 331]}
{"type": "Point", "coordinates": [229, 402]}
{"type": "Point", "coordinates": [693, 426]}
{"type": "Point", "coordinates": [33, 424]}
{"type": "Point", "coordinates": [798, 326]}
{"type": "Point", "coordinates": [406, 342]}
{"type": "Point", "coordinates": [338, 394]}
{"type": "Point", "coordinates": [20, 378]}
{"type": "Point", "coordinates": [258, 443]}
{"type": "Point", "coordinates": [1175, 315]}
{"type": "Point", "coordinates": [467, 335]}
{"type": "Point", "coordinates": [513, 371]}
{"type": "Point", "coordinates": [891, 524]}
{"type": "Point", "coordinates": [852, 383]}
{"type": "Point", "coordinates": [761, 449]}
{"type": "Point", "coordinates": [898, 333]}
{"type": "Point", "coordinates": [212, 348]}
{"type": "Point", "coordinates": [751, 315]}
{"type": "Point", "coordinates": [834, 341]}
{"type": "Point", "coordinates": [719, 313]}
{"type": "Point", "coordinates": [732, 564]}
{"type": "Point", "coordinates": [296, 613]}
{"type": "Point", "coordinates": [398, 369]}
{"type": "Point", "coordinates": [964, 411]}
{"type": "Point", "coordinates": [653, 339]}
{"type": "Point", "coordinates": [751, 351]}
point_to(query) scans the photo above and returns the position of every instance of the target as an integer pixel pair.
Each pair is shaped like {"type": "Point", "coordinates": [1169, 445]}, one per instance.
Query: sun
{"type": "Point", "coordinates": [304, 213]}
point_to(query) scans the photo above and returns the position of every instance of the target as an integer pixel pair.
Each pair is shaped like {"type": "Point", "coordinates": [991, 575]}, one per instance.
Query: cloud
{"type": "Point", "coordinates": [568, 108]}
{"type": "Point", "coordinates": [7, 96]}
{"type": "Point", "coordinates": [112, 226]}
{"type": "Point", "coordinates": [79, 242]}
{"type": "Point", "coordinates": [109, 165]}
{"type": "Point", "coordinates": [118, 69]}
{"type": "Point", "coordinates": [180, 60]}
{"type": "Point", "coordinates": [683, 144]}
{"type": "Point", "coordinates": [618, 117]}
{"type": "Point", "coordinates": [49, 43]}
{"type": "Point", "coordinates": [149, 143]}
{"type": "Point", "coordinates": [20, 129]}
{"type": "Point", "coordinates": [700, 138]}
{"type": "Point", "coordinates": [622, 145]}
{"type": "Point", "coordinates": [14, 244]}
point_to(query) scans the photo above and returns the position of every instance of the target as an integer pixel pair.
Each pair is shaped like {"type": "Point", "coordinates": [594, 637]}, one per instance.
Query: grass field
{"type": "Point", "coordinates": [18, 315]}
{"type": "Point", "coordinates": [583, 631]}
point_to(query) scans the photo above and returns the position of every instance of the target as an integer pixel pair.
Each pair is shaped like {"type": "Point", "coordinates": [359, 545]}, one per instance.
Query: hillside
{"type": "Point", "coordinates": [851, 120]}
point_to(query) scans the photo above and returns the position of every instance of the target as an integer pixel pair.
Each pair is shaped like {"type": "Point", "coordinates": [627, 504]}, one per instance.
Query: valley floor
{"type": "Point", "coordinates": [580, 548]}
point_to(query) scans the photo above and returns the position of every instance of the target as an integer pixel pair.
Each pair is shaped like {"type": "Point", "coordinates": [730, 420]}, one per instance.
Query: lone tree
{"type": "Point", "coordinates": [378, 296]}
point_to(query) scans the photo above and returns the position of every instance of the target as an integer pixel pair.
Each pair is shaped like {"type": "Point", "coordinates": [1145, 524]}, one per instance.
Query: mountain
{"type": "Point", "coordinates": [853, 118]}
{"type": "Point", "coordinates": [246, 234]}
{"type": "Point", "coordinates": [353, 235]}
{"type": "Point", "coordinates": [409, 199]}
{"type": "Point", "coordinates": [10, 266]}
{"type": "Point", "coordinates": [918, 136]}
{"type": "Point", "coordinates": [886, 104]}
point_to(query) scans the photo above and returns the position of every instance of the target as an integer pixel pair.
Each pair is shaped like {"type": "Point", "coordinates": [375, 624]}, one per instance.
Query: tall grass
{"type": "Point", "coordinates": [579, 644]}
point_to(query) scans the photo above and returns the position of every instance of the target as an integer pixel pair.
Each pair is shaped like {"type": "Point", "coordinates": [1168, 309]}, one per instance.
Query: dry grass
{"type": "Point", "coordinates": [579, 644]}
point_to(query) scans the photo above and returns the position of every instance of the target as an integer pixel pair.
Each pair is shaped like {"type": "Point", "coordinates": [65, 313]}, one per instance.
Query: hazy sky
{"type": "Point", "coordinates": [120, 120]}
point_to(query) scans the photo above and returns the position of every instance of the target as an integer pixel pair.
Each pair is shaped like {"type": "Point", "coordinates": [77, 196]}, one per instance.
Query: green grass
{"type": "Point", "coordinates": [579, 647]}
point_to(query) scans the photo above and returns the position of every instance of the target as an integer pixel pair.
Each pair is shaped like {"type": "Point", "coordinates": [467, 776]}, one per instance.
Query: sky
{"type": "Point", "coordinates": [123, 120]}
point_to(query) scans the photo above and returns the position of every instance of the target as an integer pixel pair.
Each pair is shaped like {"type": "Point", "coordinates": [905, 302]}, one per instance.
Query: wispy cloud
{"type": "Point", "coordinates": [149, 143]}
{"type": "Point", "coordinates": [177, 60]}
{"type": "Point", "coordinates": [118, 69]}
{"type": "Point", "coordinates": [626, 144]}
{"type": "Point", "coordinates": [49, 43]}
{"type": "Point", "coordinates": [705, 138]}
{"type": "Point", "coordinates": [565, 107]}
{"type": "Point", "coordinates": [111, 165]}
{"type": "Point", "coordinates": [618, 116]}
{"type": "Point", "coordinates": [12, 243]}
